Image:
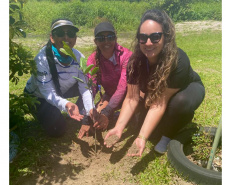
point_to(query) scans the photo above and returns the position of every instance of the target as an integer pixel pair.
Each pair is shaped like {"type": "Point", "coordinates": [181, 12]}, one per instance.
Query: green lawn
{"type": "Point", "coordinates": [204, 51]}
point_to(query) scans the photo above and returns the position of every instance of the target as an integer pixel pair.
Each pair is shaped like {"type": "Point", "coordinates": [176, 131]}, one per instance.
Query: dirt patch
{"type": "Point", "coordinates": [111, 140]}
{"type": "Point", "coordinates": [69, 160]}
{"type": "Point", "coordinates": [85, 41]}
{"type": "Point", "coordinates": [198, 26]}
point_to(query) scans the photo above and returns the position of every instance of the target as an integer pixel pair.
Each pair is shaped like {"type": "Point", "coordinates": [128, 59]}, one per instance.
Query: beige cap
{"type": "Point", "coordinates": [63, 23]}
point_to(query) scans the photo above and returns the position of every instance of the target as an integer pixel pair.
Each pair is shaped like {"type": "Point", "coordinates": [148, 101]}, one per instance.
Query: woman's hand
{"type": "Point", "coordinates": [73, 111]}
{"type": "Point", "coordinates": [137, 148]}
{"type": "Point", "coordinates": [94, 115]}
{"type": "Point", "coordinates": [84, 130]}
{"type": "Point", "coordinates": [101, 105]}
{"type": "Point", "coordinates": [100, 121]}
{"type": "Point", "coordinates": [112, 137]}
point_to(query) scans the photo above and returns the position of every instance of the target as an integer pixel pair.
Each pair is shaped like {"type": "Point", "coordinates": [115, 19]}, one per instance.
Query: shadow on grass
{"type": "Point", "coordinates": [130, 135]}
{"type": "Point", "coordinates": [140, 166]}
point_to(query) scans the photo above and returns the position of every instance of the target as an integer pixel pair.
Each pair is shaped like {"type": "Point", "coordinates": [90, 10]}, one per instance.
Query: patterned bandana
{"type": "Point", "coordinates": [61, 59]}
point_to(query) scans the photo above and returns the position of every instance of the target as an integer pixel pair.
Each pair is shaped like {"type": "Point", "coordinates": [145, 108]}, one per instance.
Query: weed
{"type": "Point", "coordinates": [202, 146]}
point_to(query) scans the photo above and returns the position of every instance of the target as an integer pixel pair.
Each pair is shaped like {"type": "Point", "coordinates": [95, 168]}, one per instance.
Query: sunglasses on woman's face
{"type": "Point", "coordinates": [102, 38]}
{"type": "Point", "coordinates": [154, 37]}
{"type": "Point", "coordinates": [61, 33]}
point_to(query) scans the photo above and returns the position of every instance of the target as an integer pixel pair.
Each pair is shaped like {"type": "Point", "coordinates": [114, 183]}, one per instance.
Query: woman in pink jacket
{"type": "Point", "coordinates": [112, 59]}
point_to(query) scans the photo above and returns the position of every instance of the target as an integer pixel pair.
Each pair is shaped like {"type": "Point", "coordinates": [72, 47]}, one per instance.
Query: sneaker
{"type": "Point", "coordinates": [161, 147]}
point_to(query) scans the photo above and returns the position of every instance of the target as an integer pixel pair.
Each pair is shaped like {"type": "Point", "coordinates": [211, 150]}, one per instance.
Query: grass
{"type": "Point", "coordinates": [204, 51]}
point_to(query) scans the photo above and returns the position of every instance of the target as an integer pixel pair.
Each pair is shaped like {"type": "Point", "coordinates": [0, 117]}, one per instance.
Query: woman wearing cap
{"type": "Point", "coordinates": [173, 91]}
{"type": "Point", "coordinates": [112, 59]}
{"type": "Point", "coordinates": [54, 81]}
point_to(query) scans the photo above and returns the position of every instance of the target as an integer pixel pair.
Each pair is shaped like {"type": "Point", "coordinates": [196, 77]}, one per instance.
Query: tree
{"type": "Point", "coordinates": [20, 62]}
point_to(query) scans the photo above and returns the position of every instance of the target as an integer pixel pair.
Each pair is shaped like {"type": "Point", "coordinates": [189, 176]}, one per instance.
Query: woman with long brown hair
{"type": "Point", "coordinates": [162, 71]}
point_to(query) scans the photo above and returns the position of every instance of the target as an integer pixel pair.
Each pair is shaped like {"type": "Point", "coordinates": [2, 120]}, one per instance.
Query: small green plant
{"type": "Point", "coordinates": [85, 69]}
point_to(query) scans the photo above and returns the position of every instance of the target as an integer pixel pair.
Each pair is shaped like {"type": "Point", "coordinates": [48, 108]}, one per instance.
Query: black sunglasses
{"type": "Point", "coordinates": [102, 38]}
{"type": "Point", "coordinates": [61, 33]}
{"type": "Point", "coordinates": [154, 37]}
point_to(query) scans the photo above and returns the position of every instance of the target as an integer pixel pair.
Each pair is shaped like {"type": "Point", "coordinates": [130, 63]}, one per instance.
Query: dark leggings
{"type": "Point", "coordinates": [180, 110]}
{"type": "Point", "coordinates": [50, 117]}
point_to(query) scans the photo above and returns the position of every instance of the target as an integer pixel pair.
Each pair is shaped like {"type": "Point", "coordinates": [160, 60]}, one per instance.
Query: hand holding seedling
{"type": "Point", "coordinates": [85, 130]}
{"type": "Point", "coordinates": [100, 120]}
{"type": "Point", "coordinates": [85, 69]}
{"type": "Point", "coordinates": [101, 123]}
{"type": "Point", "coordinates": [73, 111]}
{"type": "Point", "coordinates": [101, 105]}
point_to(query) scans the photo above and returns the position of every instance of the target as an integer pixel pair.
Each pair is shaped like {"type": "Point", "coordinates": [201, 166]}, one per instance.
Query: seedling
{"type": "Point", "coordinates": [85, 69]}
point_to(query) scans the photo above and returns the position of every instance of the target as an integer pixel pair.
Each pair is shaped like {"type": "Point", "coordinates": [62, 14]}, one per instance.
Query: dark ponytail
{"type": "Point", "coordinates": [51, 62]}
{"type": "Point", "coordinates": [52, 66]}
{"type": "Point", "coordinates": [97, 58]}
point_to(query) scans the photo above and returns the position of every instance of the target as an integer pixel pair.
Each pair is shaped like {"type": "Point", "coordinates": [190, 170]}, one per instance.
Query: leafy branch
{"type": "Point", "coordinates": [20, 62]}
{"type": "Point", "coordinates": [85, 69]}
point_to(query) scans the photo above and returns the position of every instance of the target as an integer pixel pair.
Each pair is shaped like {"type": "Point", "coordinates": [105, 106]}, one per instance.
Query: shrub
{"type": "Point", "coordinates": [211, 10]}
{"type": "Point", "coordinates": [20, 62]}
{"type": "Point", "coordinates": [124, 14]}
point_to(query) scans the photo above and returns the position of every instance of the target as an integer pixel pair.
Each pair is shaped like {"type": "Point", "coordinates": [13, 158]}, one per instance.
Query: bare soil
{"type": "Point", "coordinates": [69, 160]}
{"type": "Point", "coordinates": [73, 161]}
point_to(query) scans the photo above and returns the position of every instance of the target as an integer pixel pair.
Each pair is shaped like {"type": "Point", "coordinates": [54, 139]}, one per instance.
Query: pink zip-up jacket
{"type": "Point", "coordinates": [113, 77]}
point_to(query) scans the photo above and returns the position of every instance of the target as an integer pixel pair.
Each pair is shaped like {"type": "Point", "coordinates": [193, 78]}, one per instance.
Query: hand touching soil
{"type": "Point", "coordinates": [111, 140]}
{"type": "Point", "coordinates": [133, 149]}
{"type": "Point", "coordinates": [137, 148]}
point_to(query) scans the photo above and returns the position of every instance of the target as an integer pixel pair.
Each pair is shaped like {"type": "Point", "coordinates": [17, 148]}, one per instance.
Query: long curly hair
{"type": "Point", "coordinates": [167, 60]}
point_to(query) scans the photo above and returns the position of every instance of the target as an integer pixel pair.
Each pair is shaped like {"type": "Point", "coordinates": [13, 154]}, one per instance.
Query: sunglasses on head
{"type": "Point", "coordinates": [102, 38]}
{"type": "Point", "coordinates": [154, 37]}
{"type": "Point", "coordinates": [61, 33]}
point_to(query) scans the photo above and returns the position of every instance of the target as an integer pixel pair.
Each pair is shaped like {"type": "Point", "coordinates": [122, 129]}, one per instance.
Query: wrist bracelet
{"type": "Point", "coordinates": [142, 137]}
